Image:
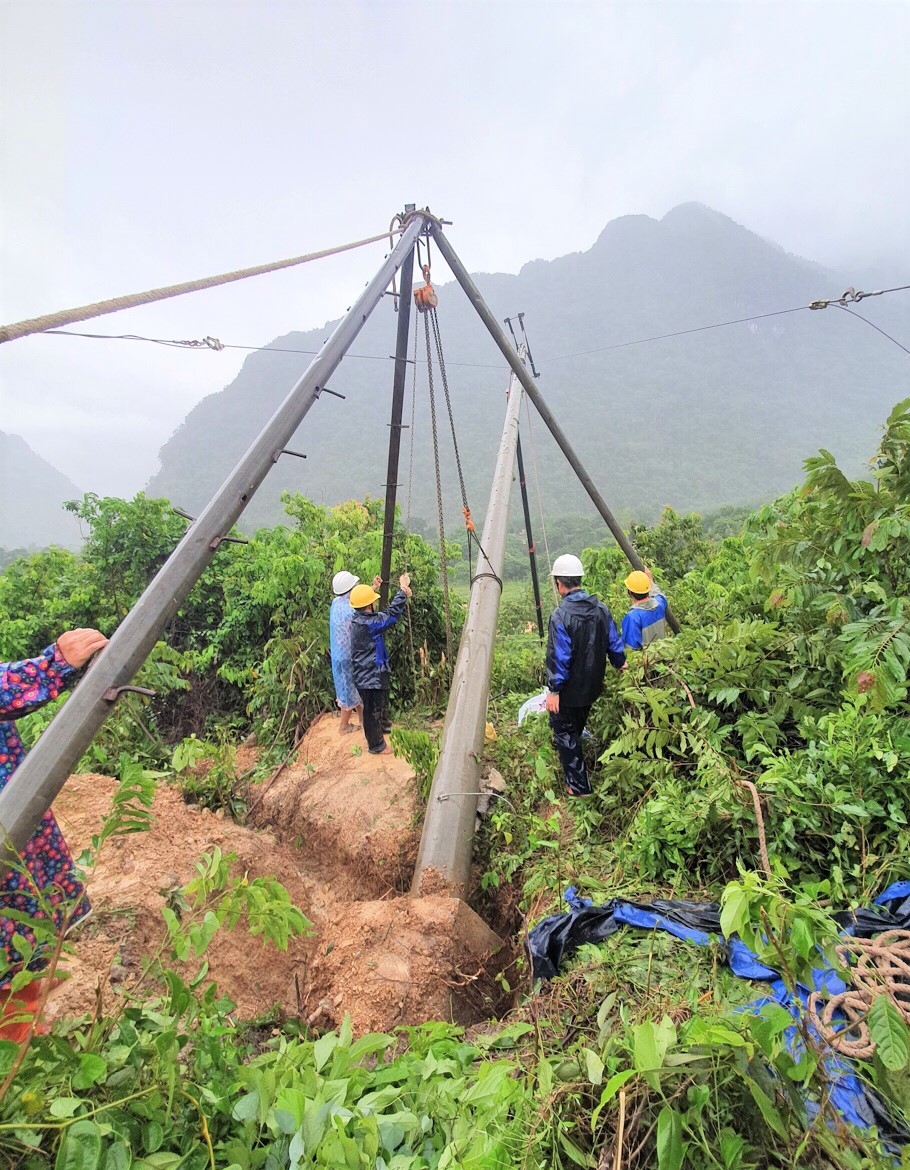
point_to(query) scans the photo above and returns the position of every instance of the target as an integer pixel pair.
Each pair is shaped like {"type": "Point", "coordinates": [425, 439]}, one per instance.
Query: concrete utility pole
{"type": "Point", "coordinates": [36, 783]}
{"type": "Point", "coordinates": [463, 277]}
{"type": "Point", "coordinates": [444, 857]}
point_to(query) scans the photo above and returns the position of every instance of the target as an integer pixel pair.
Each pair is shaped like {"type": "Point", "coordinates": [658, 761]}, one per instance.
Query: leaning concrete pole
{"type": "Point", "coordinates": [45, 770]}
{"type": "Point", "coordinates": [444, 858]}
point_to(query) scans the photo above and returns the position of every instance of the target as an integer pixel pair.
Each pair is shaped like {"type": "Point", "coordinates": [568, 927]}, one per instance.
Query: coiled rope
{"type": "Point", "coordinates": [882, 968]}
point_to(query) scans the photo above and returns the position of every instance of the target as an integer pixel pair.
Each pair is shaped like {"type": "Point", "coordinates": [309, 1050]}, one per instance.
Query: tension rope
{"type": "Point", "coordinates": [426, 301]}
{"type": "Point", "coordinates": [132, 300]}
{"type": "Point", "coordinates": [465, 507]}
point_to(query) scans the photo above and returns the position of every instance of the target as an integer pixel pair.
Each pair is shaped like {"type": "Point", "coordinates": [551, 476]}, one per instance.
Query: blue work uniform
{"type": "Point", "coordinates": [582, 637]}
{"type": "Point", "coordinates": [645, 622]}
{"type": "Point", "coordinates": [370, 665]}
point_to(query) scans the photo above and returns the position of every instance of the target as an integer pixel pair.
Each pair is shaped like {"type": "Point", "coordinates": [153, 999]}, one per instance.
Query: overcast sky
{"type": "Point", "coordinates": [146, 143]}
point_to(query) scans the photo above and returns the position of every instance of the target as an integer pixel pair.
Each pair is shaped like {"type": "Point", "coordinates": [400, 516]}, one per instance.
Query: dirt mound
{"type": "Point", "coordinates": [348, 811]}
{"type": "Point", "coordinates": [130, 886]}
{"type": "Point", "coordinates": [403, 962]}
{"type": "Point", "coordinates": [341, 834]}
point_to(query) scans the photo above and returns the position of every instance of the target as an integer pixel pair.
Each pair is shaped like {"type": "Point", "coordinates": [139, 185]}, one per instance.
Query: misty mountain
{"type": "Point", "coordinates": [697, 421]}
{"type": "Point", "coordinates": [32, 493]}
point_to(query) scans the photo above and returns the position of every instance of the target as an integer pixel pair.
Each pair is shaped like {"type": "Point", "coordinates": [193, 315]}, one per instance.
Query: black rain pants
{"type": "Point", "coordinates": [567, 724]}
{"type": "Point", "coordinates": [372, 719]}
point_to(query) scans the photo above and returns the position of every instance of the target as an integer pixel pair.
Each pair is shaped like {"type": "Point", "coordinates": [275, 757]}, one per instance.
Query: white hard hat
{"type": "Point", "coordinates": [567, 566]}
{"type": "Point", "coordinates": [343, 582]}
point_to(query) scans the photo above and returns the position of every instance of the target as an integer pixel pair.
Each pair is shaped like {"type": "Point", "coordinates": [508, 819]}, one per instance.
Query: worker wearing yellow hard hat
{"type": "Point", "coordinates": [370, 657]}
{"type": "Point", "coordinates": [646, 621]}
{"type": "Point", "coordinates": [362, 596]}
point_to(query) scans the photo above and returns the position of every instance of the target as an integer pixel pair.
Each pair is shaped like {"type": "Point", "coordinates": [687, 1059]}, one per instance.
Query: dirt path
{"type": "Point", "coordinates": [339, 828]}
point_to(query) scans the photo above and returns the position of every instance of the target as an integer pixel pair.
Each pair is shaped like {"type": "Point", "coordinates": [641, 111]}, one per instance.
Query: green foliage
{"type": "Point", "coordinates": [420, 750]}
{"type": "Point", "coordinates": [785, 929]}
{"type": "Point", "coordinates": [790, 672]}
{"type": "Point", "coordinates": [41, 595]}
{"type": "Point", "coordinates": [154, 1085]}
{"type": "Point", "coordinates": [675, 543]}
{"type": "Point", "coordinates": [272, 642]}
{"type": "Point", "coordinates": [837, 552]}
{"type": "Point", "coordinates": [518, 664]}
{"type": "Point", "coordinates": [127, 542]}
{"type": "Point", "coordinates": [131, 803]}
{"type": "Point", "coordinates": [167, 1082]}
{"type": "Point", "coordinates": [216, 898]}
{"type": "Point", "coordinates": [207, 775]}
{"type": "Point", "coordinates": [839, 804]}
{"type": "Point", "coordinates": [250, 645]}
{"type": "Point", "coordinates": [889, 1032]}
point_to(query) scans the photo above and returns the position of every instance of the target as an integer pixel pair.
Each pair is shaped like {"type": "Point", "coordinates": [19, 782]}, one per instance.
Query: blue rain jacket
{"type": "Point", "coordinates": [582, 636]}
{"type": "Point", "coordinates": [645, 622]}
{"type": "Point", "coordinates": [369, 656]}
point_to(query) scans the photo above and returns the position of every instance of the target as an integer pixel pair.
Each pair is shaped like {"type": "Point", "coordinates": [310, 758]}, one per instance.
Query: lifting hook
{"type": "Point", "coordinates": [425, 298]}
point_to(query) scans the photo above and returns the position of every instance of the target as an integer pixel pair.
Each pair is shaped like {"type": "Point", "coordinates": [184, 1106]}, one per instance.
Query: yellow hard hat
{"type": "Point", "coordinates": [362, 596]}
{"type": "Point", "coordinates": [636, 582]}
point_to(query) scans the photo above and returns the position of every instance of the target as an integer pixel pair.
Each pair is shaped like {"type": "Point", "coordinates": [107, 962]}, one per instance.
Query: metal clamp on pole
{"type": "Point", "coordinates": [478, 576]}
{"type": "Point", "coordinates": [286, 451]}
{"type": "Point", "coordinates": [112, 694]}
{"type": "Point", "coordinates": [216, 541]}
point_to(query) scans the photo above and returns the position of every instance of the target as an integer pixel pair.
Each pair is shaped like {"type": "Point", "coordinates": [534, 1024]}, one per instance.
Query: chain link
{"type": "Point", "coordinates": [407, 519]}
{"type": "Point", "coordinates": [439, 505]}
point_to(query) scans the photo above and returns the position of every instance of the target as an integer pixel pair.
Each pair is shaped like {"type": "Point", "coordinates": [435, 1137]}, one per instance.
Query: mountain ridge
{"type": "Point", "coordinates": [32, 493]}
{"type": "Point", "coordinates": [718, 417]}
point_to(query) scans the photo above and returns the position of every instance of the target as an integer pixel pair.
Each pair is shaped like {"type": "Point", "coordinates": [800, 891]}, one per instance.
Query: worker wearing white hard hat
{"type": "Point", "coordinates": [340, 616]}
{"type": "Point", "coordinates": [582, 637]}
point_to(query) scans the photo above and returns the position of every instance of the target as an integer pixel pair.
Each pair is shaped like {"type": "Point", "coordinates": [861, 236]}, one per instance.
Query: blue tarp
{"type": "Point", "coordinates": [556, 937]}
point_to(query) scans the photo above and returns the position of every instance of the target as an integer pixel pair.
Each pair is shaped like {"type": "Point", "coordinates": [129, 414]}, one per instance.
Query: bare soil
{"type": "Point", "coordinates": [353, 815]}
{"type": "Point", "coordinates": [339, 828]}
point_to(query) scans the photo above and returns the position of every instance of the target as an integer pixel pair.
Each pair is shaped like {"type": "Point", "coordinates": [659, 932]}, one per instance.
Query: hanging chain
{"type": "Point", "coordinates": [439, 506]}
{"type": "Point", "coordinates": [407, 520]}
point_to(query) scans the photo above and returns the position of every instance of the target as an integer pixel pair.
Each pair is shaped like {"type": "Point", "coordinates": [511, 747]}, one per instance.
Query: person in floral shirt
{"type": "Point", "coordinates": [49, 883]}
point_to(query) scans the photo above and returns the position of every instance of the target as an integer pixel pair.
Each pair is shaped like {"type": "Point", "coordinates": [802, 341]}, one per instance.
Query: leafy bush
{"type": "Point", "coordinates": [250, 645]}
{"type": "Point", "coordinates": [790, 673]}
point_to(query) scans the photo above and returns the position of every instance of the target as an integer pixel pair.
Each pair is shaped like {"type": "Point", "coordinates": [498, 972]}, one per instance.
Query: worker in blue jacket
{"type": "Point", "coordinates": [370, 657]}
{"type": "Point", "coordinates": [582, 636]}
{"type": "Point", "coordinates": [646, 621]}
